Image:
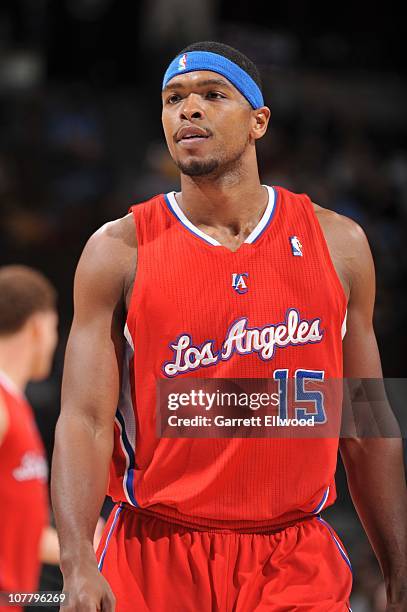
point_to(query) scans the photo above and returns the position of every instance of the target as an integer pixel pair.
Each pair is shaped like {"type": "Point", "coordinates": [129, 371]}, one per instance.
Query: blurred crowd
{"type": "Point", "coordinates": [76, 149]}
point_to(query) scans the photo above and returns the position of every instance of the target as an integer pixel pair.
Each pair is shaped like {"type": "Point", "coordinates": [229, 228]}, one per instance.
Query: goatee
{"type": "Point", "coordinates": [198, 168]}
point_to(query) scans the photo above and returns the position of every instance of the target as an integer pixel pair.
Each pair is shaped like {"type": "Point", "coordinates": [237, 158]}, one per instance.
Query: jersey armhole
{"type": "Point", "coordinates": [327, 255]}
{"type": "Point", "coordinates": [136, 211]}
{"type": "Point", "coordinates": [130, 316]}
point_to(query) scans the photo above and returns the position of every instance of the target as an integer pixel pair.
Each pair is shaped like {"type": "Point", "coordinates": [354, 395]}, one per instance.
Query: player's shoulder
{"type": "Point", "coordinates": [118, 231]}
{"type": "Point", "coordinates": [120, 234]}
{"type": "Point", "coordinates": [109, 257]}
{"type": "Point", "coordinates": [340, 229]}
{"type": "Point", "coordinates": [332, 223]}
{"type": "Point", "coordinates": [111, 241]}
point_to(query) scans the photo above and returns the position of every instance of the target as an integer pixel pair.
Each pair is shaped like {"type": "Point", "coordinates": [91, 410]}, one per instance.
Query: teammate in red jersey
{"type": "Point", "coordinates": [225, 279]}
{"type": "Point", "coordinates": [28, 336]}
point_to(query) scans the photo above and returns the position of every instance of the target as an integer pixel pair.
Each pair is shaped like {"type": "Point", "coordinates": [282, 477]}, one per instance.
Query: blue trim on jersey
{"type": "Point", "coordinates": [109, 535]}
{"type": "Point", "coordinates": [322, 502]}
{"type": "Point", "coordinates": [270, 218]}
{"type": "Point", "coordinates": [191, 231]}
{"type": "Point", "coordinates": [130, 452]}
{"type": "Point", "coordinates": [212, 241]}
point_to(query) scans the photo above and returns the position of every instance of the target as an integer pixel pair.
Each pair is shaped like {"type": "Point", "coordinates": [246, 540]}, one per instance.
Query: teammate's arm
{"type": "Point", "coordinates": [49, 546]}
{"type": "Point", "coordinates": [84, 433]}
{"type": "Point", "coordinates": [374, 466]}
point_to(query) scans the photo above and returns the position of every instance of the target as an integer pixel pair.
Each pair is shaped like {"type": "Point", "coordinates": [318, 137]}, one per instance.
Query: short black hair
{"type": "Point", "coordinates": [230, 53]}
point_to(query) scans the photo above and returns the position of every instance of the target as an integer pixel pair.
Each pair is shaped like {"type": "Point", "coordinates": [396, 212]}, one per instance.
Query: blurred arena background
{"type": "Point", "coordinates": [81, 139]}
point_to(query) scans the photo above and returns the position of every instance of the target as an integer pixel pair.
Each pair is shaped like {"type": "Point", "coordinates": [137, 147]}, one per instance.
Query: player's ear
{"type": "Point", "coordinates": [260, 121]}
{"type": "Point", "coordinates": [34, 326]}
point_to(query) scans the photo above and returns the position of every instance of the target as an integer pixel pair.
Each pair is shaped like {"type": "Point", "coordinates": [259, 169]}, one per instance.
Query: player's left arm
{"type": "Point", "coordinates": [374, 466]}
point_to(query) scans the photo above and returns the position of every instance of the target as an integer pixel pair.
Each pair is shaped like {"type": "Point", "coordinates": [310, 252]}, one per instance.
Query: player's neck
{"type": "Point", "coordinates": [15, 362]}
{"type": "Point", "coordinates": [232, 200]}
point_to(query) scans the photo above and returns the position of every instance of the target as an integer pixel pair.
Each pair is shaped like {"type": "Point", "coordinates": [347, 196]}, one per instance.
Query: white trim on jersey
{"type": "Point", "coordinates": [128, 337]}
{"type": "Point", "coordinates": [250, 238]}
{"type": "Point", "coordinates": [109, 535]}
{"type": "Point", "coordinates": [10, 385]}
{"type": "Point", "coordinates": [265, 218]}
{"type": "Point", "coordinates": [322, 502]}
{"type": "Point", "coordinates": [343, 328]}
{"type": "Point", "coordinates": [126, 421]}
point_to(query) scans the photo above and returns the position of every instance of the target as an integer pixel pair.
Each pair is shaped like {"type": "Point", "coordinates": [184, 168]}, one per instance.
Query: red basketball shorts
{"type": "Point", "coordinates": [155, 565]}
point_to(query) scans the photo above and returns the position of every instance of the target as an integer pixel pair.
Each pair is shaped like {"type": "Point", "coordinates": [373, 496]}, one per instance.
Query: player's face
{"type": "Point", "coordinates": [45, 338]}
{"type": "Point", "coordinates": [208, 124]}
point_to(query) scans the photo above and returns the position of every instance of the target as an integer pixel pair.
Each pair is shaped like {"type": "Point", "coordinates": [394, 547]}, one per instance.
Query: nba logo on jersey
{"type": "Point", "coordinates": [239, 283]}
{"type": "Point", "coordinates": [182, 64]}
{"type": "Point", "coordinates": [296, 246]}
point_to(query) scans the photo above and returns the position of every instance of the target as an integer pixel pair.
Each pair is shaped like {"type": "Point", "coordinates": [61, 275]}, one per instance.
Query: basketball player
{"type": "Point", "coordinates": [28, 336]}
{"type": "Point", "coordinates": [166, 292]}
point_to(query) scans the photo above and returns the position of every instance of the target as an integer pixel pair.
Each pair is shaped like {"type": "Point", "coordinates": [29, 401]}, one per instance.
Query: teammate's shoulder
{"type": "Point", "coordinates": [4, 418]}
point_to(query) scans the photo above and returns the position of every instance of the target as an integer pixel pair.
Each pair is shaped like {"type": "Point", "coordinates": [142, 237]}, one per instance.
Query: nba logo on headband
{"type": "Point", "coordinates": [182, 64]}
{"type": "Point", "coordinates": [205, 60]}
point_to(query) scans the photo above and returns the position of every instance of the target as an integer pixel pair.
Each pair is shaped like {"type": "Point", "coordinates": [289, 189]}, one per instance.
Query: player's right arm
{"type": "Point", "coordinates": [84, 433]}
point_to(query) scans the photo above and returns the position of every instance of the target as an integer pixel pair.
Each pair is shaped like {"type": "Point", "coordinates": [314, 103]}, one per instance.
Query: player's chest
{"type": "Point", "coordinates": [211, 295]}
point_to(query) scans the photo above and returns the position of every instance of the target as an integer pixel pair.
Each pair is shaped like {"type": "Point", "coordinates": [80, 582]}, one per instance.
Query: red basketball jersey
{"type": "Point", "coordinates": [23, 494]}
{"type": "Point", "coordinates": [199, 310]}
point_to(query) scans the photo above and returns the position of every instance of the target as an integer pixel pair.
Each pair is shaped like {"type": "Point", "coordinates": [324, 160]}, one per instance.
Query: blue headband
{"type": "Point", "coordinates": [205, 60]}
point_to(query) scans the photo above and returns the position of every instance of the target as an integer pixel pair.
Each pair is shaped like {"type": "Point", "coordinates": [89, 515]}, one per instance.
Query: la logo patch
{"type": "Point", "coordinates": [239, 283]}
{"type": "Point", "coordinates": [182, 62]}
{"type": "Point", "coordinates": [296, 246]}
